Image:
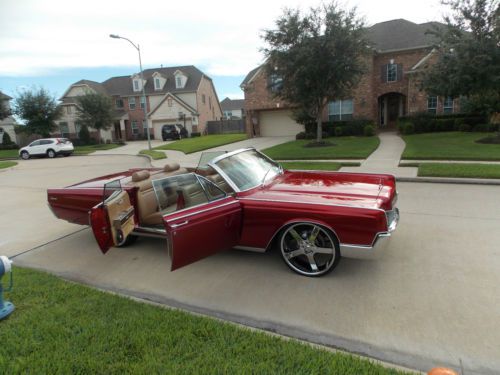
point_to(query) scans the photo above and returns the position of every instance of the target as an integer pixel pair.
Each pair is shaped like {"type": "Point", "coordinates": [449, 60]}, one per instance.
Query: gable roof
{"type": "Point", "coordinates": [177, 99]}
{"type": "Point", "coordinates": [401, 34]}
{"type": "Point", "coordinates": [232, 104]}
{"type": "Point", "coordinates": [4, 96]}
{"type": "Point", "coordinates": [123, 85]}
{"type": "Point", "coordinates": [251, 75]}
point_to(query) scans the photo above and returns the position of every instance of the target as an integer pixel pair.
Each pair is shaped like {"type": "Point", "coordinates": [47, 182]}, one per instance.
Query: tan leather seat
{"type": "Point", "coordinates": [147, 202]}
{"type": "Point", "coordinates": [220, 182]}
{"type": "Point", "coordinates": [193, 195]}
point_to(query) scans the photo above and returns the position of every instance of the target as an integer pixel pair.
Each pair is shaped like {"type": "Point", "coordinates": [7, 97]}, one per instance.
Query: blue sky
{"type": "Point", "coordinates": [53, 43]}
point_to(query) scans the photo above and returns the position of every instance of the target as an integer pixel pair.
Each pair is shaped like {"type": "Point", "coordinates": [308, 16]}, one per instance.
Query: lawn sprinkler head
{"type": "Point", "coordinates": [6, 307]}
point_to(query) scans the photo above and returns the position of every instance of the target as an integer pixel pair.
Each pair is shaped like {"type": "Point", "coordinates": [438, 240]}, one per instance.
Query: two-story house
{"type": "Point", "coordinates": [233, 108]}
{"type": "Point", "coordinates": [175, 95]}
{"type": "Point", "coordinates": [389, 88]}
{"type": "Point", "coordinates": [7, 124]}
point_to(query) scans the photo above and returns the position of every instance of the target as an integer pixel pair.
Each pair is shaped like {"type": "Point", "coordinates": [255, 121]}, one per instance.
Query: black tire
{"type": "Point", "coordinates": [51, 153]}
{"type": "Point", "coordinates": [307, 255]}
{"type": "Point", "coordinates": [131, 238]}
{"type": "Point", "coordinates": [25, 155]}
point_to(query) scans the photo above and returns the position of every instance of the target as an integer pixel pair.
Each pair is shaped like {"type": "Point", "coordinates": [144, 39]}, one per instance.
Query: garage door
{"type": "Point", "coordinates": [276, 123]}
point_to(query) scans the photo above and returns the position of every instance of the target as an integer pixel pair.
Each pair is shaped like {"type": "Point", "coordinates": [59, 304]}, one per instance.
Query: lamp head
{"type": "Point", "coordinates": [114, 36]}
{"type": "Point", "coordinates": [5, 265]}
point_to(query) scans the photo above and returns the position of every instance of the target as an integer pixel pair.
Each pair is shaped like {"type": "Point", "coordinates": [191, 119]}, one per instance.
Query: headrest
{"type": "Point", "coordinates": [140, 176]}
{"type": "Point", "coordinates": [192, 188]}
{"type": "Point", "coordinates": [215, 178]}
{"type": "Point", "coordinates": [171, 167]}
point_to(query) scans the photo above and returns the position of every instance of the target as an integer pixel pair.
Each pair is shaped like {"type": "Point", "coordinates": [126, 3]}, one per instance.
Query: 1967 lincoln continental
{"type": "Point", "coordinates": [241, 199]}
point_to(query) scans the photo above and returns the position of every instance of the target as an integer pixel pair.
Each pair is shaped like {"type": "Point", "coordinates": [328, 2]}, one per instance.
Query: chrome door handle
{"type": "Point", "coordinates": [179, 224]}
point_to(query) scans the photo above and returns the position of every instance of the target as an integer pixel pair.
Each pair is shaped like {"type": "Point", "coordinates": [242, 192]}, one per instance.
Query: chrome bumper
{"type": "Point", "coordinates": [379, 242]}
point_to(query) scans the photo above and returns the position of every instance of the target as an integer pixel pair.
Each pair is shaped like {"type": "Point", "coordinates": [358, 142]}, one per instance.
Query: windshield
{"type": "Point", "coordinates": [248, 169]}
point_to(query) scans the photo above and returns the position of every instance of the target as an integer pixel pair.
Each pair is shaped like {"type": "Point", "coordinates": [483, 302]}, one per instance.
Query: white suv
{"type": "Point", "coordinates": [50, 147]}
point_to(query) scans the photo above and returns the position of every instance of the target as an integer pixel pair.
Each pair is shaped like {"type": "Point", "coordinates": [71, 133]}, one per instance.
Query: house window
{"type": "Point", "coordinates": [64, 129]}
{"type": "Point", "coordinates": [340, 110]}
{"type": "Point", "coordinates": [203, 99]}
{"type": "Point", "coordinates": [157, 84]}
{"type": "Point", "coordinates": [178, 82]}
{"type": "Point", "coordinates": [136, 85]}
{"type": "Point", "coordinates": [119, 103]}
{"type": "Point", "coordinates": [275, 83]}
{"type": "Point", "coordinates": [448, 105]}
{"type": "Point", "coordinates": [228, 114]}
{"type": "Point", "coordinates": [131, 103]}
{"type": "Point", "coordinates": [432, 104]}
{"type": "Point", "coordinates": [69, 109]}
{"type": "Point", "coordinates": [135, 128]}
{"type": "Point", "coordinates": [169, 101]}
{"type": "Point", "coordinates": [143, 102]}
{"type": "Point", "coordinates": [392, 72]}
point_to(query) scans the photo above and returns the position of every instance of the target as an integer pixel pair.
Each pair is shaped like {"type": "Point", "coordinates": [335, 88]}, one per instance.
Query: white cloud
{"type": "Point", "coordinates": [38, 37]}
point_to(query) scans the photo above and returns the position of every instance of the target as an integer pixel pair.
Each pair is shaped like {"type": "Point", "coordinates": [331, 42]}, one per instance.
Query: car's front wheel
{"type": "Point", "coordinates": [25, 155]}
{"type": "Point", "coordinates": [309, 249]}
{"type": "Point", "coordinates": [51, 154]}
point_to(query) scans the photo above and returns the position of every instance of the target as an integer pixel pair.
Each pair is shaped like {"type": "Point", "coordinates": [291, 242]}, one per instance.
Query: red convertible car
{"type": "Point", "coordinates": [240, 199]}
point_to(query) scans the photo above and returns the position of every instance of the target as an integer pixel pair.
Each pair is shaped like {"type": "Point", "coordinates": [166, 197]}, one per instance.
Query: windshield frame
{"type": "Point", "coordinates": [213, 164]}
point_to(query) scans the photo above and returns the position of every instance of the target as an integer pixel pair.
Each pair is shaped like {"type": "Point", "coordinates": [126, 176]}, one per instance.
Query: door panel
{"type": "Point", "coordinates": [112, 221]}
{"type": "Point", "coordinates": [205, 230]}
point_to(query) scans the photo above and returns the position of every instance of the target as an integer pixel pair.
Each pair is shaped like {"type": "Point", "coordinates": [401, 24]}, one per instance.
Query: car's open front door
{"type": "Point", "coordinates": [113, 219]}
{"type": "Point", "coordinates": [200, 219]}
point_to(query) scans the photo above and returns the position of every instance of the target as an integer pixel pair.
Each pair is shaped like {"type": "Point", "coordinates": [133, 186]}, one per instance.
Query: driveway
{"type": "Point", "coordinates": [431, 298]}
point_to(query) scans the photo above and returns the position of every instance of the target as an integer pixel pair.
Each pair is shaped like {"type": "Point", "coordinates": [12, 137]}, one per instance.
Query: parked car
{"type": "Point", "coordinates": [170, 132]}
{"type": "Point", "coordinates": [50, 147]}
{"type": "Point", "coordinates": [240, 199]}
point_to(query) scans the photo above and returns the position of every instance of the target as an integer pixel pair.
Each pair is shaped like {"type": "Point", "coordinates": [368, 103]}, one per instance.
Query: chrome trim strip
{"type": "Point", "coordinates": [197, 212]}
{"type": "Point", "coordinates": [313, 203]}
{"type": "Point", "coordinates": [249, 248]}
{"type": "Point", "coordinates": [149, 230]}
{"type": "Point", "coordinates": [365, 251]}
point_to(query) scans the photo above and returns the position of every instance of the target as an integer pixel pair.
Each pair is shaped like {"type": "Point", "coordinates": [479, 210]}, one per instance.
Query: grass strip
{"type": "Point", "coordinates": [61, 327]}
{"type": "Point", "coordinates": [190, 145]}
{"type": "Point", "coordinates": [7, 164]}
{"type": "Point", "coordinates": [459, 170]}
{"type": "Point", "coordinates": [153, 154]}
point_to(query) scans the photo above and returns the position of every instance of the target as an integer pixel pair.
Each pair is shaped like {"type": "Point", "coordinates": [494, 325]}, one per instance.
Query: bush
{"type": "Point", "coordinates": [353, 127]}
{"type": "Point", "coordinates": [310, 135]}
{"type": "Point", "coordinates": [184, 133]}
{"type": "Point", "coordinates": [108, 141]}
{"type": "Point", "coordinates": [84, 136]}
{"type": "Point", "coordinates": [407, 128]}
{"type": "Point", "coordinates": [120, 142]}
{"type": "Point", "coordinates": [483, 128]}
{"type": "Point", "coordinates": [11, 146]}
{"type": "Point", "coordinates": [338, 132]}
{"type": "Point", "coordinates": [464, 128]}
{"type": "Point", "coordinates": [195, 134]}
{"type": "Point", "coordinates": [301, 135]}
{"type": "Point", "coordinates": [6, 141]}
{"type": "Point", "coordinates": [369, 131]}
{"type": "Point", "coordinates": [428, 122]}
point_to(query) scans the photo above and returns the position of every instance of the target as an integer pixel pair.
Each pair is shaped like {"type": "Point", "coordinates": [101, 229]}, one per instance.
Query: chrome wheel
{"type": "Point", "coordinates": [309, 249]}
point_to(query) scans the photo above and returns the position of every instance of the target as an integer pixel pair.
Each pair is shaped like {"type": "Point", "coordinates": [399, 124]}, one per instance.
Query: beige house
{"type": "Point", "coordinates": [181, 95]}
{"type": "Point", "coordinates": [7, 124]}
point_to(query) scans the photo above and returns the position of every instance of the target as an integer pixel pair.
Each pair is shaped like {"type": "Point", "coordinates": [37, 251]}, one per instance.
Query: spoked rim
{"type": "Point", "coordinates": [308, 249]}
{"type": "Point", "coordinates": [25, 155]}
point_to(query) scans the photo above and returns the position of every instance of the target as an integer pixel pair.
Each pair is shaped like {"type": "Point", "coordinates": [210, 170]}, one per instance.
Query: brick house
{"type": "Point", "coordinates": [233, 108]}
{"type": "Point", "coordinates": [176, 95]}
{"type": "Point", "coordinates": [389, 89]}
{"type": "Point", "coordinates": [8, 124]}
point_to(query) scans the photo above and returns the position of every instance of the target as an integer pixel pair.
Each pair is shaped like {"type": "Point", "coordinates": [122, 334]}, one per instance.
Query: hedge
{"type": "Point", "coordinates": [429, 123]}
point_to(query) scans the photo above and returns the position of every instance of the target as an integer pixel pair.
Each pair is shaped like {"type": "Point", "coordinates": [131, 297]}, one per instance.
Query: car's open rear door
{"type": "Point", "coordinates": [201, 231]}
{"type": "Point", "coordinates": [113, 219]}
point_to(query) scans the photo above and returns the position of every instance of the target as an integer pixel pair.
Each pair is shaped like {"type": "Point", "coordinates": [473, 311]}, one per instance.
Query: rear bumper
{"type": "Point", "coordinates": [379, 243]}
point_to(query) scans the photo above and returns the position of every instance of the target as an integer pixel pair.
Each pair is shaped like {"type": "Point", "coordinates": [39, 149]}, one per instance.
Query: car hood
{"type": "Point", "coordinates": [330, 188]}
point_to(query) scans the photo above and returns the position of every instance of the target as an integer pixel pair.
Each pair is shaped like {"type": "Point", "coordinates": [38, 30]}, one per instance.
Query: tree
{"type": "Point", "coordinates": [468, 55]}
{"type": "Point", "coordinates": [315, 57]}
{"type": "Point", "coordinates": [4, 108]}
{"type": "Point", "coordinates": [95, 110]}
{"type": "Point", "coordinates": [39, 110]}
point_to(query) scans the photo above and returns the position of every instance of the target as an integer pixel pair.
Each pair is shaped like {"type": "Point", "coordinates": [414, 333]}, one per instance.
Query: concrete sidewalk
{"type": "Point", "coordinates": [385, 159]}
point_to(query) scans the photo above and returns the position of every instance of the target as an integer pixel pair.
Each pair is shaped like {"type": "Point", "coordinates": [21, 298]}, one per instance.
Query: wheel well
{"type": "Point", "coordinates": [278, 233]}
{"type": "Point", "coordinates": [50, 149]}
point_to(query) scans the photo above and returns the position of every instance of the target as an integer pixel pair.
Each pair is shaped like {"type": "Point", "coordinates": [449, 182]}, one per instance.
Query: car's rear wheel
{"type": "Point", "coordinates": [25, 155]}
{"type": "Point", "coordinates": [309, 249]}
{"type": "Point", "coordinates": [51, 154]}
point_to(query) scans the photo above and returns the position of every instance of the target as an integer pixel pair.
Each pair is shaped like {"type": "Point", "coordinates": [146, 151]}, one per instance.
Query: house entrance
{"type": "Point", "coordinates": [391, 106]}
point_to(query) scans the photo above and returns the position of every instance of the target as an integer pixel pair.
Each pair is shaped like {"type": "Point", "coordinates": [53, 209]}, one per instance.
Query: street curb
{"type": "Point", "coordinates": [444, 180]}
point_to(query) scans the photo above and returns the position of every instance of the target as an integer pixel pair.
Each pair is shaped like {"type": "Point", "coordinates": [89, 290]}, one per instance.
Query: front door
{"type": "Point", "coordinates": [199, 218]}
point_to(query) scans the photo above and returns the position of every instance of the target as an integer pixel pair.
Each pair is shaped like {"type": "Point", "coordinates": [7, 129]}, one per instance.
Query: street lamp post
{"type": "Point", "coordinates": [114, 36]}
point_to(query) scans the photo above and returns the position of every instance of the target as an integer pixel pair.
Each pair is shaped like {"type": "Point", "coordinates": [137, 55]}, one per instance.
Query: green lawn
{"type": "Point", "coordinates": [60, 327]}
{"type": "Point", "coordinates": [84, 150]}
{"type": "Point", "coordinates": [153, 154]}
{"type": "Point", "coordinates": [190, 145]}
{"type": "Point", "coordinates": [9, 154]}
{"type": "Point", "coordinates": [449, 146]}
{"type": "Point", "coordinates": [7, 164]}
{"type": "Point", "coordinates": [319, 166]}
{"type": "Point", "coordinates": [345, 148]}
{"type": "Point", "coordinates": [463, 170]}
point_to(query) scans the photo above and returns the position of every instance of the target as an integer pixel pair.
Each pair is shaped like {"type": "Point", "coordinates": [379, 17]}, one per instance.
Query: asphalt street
{"type": "Point", "coordinates": [432, 298]}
